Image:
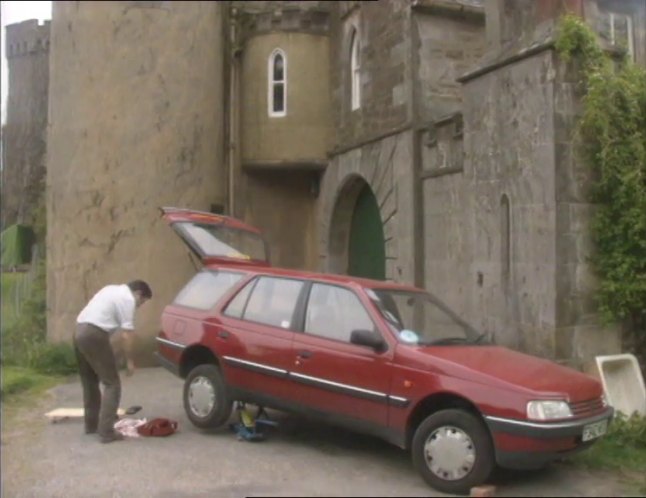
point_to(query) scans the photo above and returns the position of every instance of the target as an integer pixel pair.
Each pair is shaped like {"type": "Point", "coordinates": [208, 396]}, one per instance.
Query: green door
{"type": "Point", "coordinates": [367, 256]}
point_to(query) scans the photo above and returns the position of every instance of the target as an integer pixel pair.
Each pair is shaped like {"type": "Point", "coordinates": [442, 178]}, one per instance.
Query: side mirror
{"type": "Point", "coordinates": [368, 338]}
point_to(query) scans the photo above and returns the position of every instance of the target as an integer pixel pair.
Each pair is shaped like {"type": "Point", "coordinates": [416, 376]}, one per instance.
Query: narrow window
{"type": "Point", "coordinates": [617, 29]}
{"type": "Point", "coordinates": [277, 84]}
{"type": "Point", "coordinates": [355, 70]}
{"type": "Point", "coordinates": [505, 237]}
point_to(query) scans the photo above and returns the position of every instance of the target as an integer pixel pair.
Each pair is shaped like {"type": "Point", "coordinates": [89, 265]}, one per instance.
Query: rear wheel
{"type": "Point", "coordinates": [205, 399]}
{"type": "Point", "coordinates": [452, 450]}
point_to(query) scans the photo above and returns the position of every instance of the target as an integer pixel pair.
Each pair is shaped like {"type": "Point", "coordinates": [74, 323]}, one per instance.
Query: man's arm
{"type": "Point", "coordinates": [128, 349]}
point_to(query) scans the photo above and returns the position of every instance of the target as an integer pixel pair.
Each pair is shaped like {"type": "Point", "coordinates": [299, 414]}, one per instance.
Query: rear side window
{"type": "Point", "coordinates": [272, 302]}
{"type": "Point", "coordinates": [206, 288]}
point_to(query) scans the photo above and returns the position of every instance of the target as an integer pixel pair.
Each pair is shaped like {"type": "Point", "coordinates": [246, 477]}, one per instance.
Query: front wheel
{"type": "Point", "coordinates": [205, 399]}
{"type": "Point", "coordinates": [452, 450]}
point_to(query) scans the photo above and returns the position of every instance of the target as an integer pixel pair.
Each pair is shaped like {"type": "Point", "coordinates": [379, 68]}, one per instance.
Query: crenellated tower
{"type": "Point", "coordinates": [23, 172]}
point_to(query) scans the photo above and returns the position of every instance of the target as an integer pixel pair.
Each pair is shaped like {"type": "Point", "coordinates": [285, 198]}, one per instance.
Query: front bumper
{"type": "Point", "coordinates": [522, 444]}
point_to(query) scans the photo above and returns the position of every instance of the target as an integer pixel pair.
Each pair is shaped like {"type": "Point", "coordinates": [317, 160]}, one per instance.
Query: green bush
{"type": "Point", "coordinates": [54, 359]}
{"type": "Point", "coordinates": [24, 338]}
{"type": "Point", "coordinates": [612, 130]}
{"type": "Point", "coordinates": [16, 380]}
{"type": "Point", "coordinates": [629, 432]}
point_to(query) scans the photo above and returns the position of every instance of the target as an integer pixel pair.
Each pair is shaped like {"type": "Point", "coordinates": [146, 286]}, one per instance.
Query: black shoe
{"type": "Point", "coordinates": [115, 436]}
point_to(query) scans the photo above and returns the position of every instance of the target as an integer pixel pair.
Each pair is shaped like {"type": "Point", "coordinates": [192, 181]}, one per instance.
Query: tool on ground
{"type": "Point", "coordinates": [251, 428]}
{"type": "Point", "coordinates": [60, 414]}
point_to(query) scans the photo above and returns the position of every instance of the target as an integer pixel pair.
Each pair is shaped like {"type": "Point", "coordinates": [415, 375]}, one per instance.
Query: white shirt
{"type": "Point", "coordinates": [111, 309]}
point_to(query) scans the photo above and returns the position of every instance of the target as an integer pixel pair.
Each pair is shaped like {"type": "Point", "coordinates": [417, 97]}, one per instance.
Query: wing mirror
{"type": "Point", "coordinates": [368, 338]}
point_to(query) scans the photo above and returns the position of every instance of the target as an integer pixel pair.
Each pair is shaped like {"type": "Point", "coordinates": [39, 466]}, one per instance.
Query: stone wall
{"type": "Point", "coordinates": [509, 151]}
{"type": "Point", "coordinates": [24, 135]}
{"type": "Point", "coordinates": [386, 166]}
{"type": "Point", "coordinates": [449, 45]}
{"type": "Point", "coordinates": [136, 122]}
{"type": "Point", "coordinates": [385, 68]}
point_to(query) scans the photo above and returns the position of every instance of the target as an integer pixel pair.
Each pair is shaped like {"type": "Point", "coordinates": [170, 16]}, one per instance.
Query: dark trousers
{"type": "Point", "coordinates": [97, 364]}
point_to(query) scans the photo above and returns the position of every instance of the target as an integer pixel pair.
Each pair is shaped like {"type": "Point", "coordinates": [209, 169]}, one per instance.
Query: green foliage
{"type": "Point", "coordinates": [54, 358]}
{"type": "Point", "coordinates": [623, 449]}
{"type": "Point", "coordinates": [24, 334]}
{"type": "Point", "coordinates": [17, 381]}
{"type": "Point", "coordinates": [612, 130]}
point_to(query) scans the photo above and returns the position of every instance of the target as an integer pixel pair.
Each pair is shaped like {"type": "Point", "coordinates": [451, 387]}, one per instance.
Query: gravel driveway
{"type": "Point", "coordinates": [302, 458]}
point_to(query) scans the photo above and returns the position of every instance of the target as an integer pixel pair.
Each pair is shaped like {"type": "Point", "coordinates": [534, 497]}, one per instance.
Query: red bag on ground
{"type": "Point", "coordinates": [158, 427]}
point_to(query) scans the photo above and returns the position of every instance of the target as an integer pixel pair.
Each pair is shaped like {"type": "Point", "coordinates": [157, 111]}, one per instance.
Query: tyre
{"type": "Point", "coordinates": [453, 451]}
{"type": "Point", "coordinates": [205, 398]}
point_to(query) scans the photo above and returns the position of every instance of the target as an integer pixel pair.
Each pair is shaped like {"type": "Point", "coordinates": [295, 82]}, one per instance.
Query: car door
{"type": "Point", "coordinates": [331, 374]}
{"type": "Point", "coordinates": [258, 324]}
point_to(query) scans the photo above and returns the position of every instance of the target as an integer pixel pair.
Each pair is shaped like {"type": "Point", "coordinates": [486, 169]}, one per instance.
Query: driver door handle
{"type": "Point", "coordinates": [304, 354]}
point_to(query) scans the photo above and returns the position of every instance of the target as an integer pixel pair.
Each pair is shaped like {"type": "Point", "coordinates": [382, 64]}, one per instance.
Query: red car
{"type": "Point", "coordinates": [378, 357]}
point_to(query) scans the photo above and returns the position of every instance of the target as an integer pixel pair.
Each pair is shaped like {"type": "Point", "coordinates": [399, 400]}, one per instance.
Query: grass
{"type": "Point", "coordinates": [622, 450]}
{"type": "Point", "coordinates": [17, 381]}
{"type": "Point", "coordinates": [9, 283]}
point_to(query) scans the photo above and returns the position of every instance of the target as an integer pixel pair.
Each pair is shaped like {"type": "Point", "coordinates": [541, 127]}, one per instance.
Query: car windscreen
{"type": "Point", "coordinates": [206, 288]}
{"type": "Point", "coordinates": [420, 318]}
{"type": "Point", "coordinates": [223, 241]}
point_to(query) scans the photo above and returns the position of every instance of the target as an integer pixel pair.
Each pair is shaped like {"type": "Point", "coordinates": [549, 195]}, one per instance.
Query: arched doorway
{"type": "Point", "coordinates": [357, 243]}
{"type": "Point", "coordinates": [367, 254]}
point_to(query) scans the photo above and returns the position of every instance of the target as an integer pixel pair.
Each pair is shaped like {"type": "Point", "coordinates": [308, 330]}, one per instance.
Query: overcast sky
{"type": "Point", "coordinates": [13, 12]}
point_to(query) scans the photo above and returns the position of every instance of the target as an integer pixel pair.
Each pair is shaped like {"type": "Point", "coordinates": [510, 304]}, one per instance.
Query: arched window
{"type": "Point", "coordinates": [505, 238]}
{"type": "Point", "coordinates": [277, 94]}
{"type": "Point", "coordinates": [355, 70]}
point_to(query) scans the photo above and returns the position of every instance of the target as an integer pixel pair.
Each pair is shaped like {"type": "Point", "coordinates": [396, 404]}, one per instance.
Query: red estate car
{"type": "Point", "coordinates": [378, 357]}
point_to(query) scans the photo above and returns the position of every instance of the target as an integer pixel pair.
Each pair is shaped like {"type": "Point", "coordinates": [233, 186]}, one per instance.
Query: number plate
{"type": "Point", "coordinates": [592, 431]}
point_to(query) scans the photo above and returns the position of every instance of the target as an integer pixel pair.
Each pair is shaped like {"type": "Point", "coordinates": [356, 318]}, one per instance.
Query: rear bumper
{"type": "Point", "coordinates": [522, 444]}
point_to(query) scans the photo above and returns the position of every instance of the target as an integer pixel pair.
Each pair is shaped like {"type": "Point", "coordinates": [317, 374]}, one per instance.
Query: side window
{"type": "Point", "coordinates": [334, 312]}
{"type": "Point", "coordinates": [277, 83]}
{"type": "Point", "coordinates": [206, 288]}
{"type": "Point", "coordinates": [236, 307]}
{"type": "Point", "coordinates": [273, 301]}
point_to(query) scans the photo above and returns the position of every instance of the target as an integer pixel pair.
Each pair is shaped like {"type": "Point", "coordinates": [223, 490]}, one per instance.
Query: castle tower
{"type": "Point", "coordinates": [27, 52]}
{"type": "Point", "coordinates": [281, 92]}
{"type": "Point", "coordinates": [136, 122]}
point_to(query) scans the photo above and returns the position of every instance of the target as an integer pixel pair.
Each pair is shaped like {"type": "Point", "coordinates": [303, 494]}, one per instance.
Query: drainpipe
{"type": "Point", "coordinates": [418, 182]}
{"type": "Point", "coordinates": [233, 110]}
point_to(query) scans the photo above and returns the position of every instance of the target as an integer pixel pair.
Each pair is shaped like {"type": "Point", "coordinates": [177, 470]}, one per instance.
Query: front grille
{"type": "Point", "coordinates": [588, 407]}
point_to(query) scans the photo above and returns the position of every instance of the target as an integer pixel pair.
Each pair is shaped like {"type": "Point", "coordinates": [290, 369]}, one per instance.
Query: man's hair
{"type": "Point", "coordinates": [143, 287]}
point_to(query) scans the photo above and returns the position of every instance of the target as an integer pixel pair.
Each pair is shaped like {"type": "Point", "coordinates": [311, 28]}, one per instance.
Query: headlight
{"type": "Point", "coordinates": [547, 410]}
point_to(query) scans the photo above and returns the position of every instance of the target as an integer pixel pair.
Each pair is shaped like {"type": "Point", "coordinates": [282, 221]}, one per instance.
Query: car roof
{"type": "Point", "coordinates": [321, 277]}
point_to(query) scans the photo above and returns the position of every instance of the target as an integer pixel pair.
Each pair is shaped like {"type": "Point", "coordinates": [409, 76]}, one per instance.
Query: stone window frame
{"type": "Point", "coordinates": [272, 82]}
{"type": "Point", "coordinates": [630, 35]}
{"type": "Point", "coordinates": [355, 68]}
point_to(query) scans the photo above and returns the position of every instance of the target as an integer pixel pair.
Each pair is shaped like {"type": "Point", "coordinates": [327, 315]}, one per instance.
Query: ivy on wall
{"type": "Point", "coordinates": [612, 129]}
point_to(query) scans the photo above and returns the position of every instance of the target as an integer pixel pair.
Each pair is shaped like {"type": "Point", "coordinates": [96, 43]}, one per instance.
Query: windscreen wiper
{"type": "Point", "coordinates": [448, 340]}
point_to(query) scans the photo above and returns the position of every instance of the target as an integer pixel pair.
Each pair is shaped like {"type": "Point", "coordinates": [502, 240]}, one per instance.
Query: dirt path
{"type": "Point", "coordinates": [302, 458]}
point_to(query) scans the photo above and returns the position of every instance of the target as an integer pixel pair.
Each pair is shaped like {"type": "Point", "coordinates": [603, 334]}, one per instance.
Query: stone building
{"type": "Point", "coordinates": [421, 141]}
{"type": "Point", "coordinates": [24, 134]}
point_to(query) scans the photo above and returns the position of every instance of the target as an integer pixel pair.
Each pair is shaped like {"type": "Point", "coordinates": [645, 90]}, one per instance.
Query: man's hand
{"type": "Point", "coordinates": [131, 367]}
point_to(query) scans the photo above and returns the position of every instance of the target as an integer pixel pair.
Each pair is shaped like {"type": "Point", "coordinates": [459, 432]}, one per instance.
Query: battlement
{"type": "Point", "coordinates": [27, 38]}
